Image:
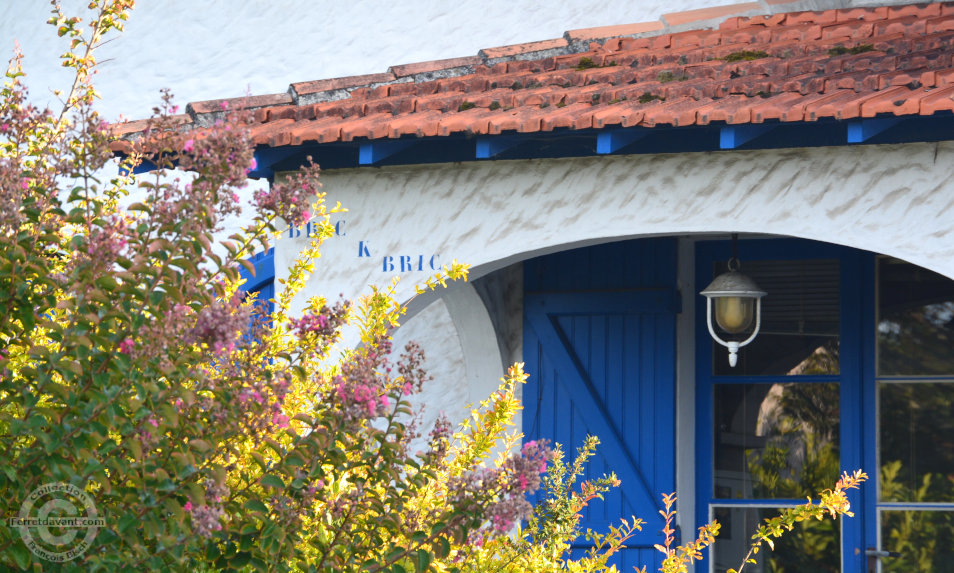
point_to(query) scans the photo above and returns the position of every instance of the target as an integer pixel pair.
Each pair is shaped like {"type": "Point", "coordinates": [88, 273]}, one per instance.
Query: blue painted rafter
{"type": "Point", "coordinates": [489, 147]}
{"type": "Point", "coordinates": [563, 142]}
{"type": "Point", "coordinates": [733, 136]}
{"type": "Point", "coordinates": [612, 140]}
{"type": "Point", "coordinates": [267, 157]}
{"type": "Point", "coordinates": [862, 130]}
{"type": "Point", "coordinates": [372, 152]}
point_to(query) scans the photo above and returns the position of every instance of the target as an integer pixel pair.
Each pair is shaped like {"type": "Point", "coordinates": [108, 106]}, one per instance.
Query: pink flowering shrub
{"type": "Point", "coordinates": [209, 432]}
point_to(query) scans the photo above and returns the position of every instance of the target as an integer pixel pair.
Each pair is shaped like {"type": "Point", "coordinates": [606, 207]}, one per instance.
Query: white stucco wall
{"type": "Point", "coordinates": [893, 199]}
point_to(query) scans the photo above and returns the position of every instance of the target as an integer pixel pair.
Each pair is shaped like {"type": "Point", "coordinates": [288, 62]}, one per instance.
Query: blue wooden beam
{"type": "Point", "coordinates": [267, 157]}
{"type": "Point", "coordinates": [733, 136]}
{"type": "Point", "coordinates": [374, 151]}
{"type": "Point", "coordinates": [862, 130]}
{"type": "Point", "coordinates": [488, 147]}
{"type": "Point", "coordinates": [144, 167]}
{"type": "Point", "coordinates": [612, 140]}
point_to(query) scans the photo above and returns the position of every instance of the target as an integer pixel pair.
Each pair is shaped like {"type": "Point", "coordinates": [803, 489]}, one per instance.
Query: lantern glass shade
{"type": "Point", "coordinates": [734, 314]}
{"type": "Point", "coordinates": [734, 297]}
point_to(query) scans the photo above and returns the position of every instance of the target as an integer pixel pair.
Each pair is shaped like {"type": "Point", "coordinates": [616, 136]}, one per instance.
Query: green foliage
{"type": "Point", "coordinates": [832, 502]}
{"type": "Point", "coordinates": [210, 434]}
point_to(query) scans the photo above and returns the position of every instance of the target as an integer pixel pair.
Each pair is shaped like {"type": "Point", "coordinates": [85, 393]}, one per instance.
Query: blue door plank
{"type": "Point", "coordinates": [598, 332]}
{"type": "Point", "coordinates": [584, 399]}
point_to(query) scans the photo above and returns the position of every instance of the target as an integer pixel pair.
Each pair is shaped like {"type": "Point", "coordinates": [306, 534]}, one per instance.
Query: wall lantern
{"type": "Point", "coordinates": [738, 302]}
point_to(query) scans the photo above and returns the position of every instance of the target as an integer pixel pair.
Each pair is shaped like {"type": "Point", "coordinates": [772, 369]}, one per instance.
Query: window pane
{"type": "Point", "coordinates": [811, 546]}
{"type": "Point", "coordinates": [915, 320]}
{"type": "Point", "coordinates": [917, 441]}
{"type": "Point", "coordinates": [923, 538]}
{"type": "Point", "coordinates": [800, 320]}
{"type": "Point", "coordinates": [775, 441]}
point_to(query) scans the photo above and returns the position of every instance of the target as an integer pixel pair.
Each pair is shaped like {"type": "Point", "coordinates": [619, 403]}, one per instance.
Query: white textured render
{"type": "Point", "coordinates": [890, 199]}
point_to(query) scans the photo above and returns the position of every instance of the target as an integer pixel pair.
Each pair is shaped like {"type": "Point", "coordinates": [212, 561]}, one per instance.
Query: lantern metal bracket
{"type": "Point", "coordinates": [734, 345]}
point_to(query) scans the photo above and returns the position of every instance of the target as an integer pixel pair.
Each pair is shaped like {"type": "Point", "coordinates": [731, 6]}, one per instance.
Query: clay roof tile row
{"type": "Point", "coordinates": [738, 67]}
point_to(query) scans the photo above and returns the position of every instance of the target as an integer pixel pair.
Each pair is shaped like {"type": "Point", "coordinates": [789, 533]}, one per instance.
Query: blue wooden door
{"type": "Point", "coordinates": [599, 344]}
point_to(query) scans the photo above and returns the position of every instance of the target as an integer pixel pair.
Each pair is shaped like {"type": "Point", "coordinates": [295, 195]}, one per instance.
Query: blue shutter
{"type": "Point", "coordinates": [263, 282]}
{"type": "Point", "coordinates": [599, 344]}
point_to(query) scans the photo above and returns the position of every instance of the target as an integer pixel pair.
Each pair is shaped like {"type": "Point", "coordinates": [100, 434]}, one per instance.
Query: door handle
{"type": "Point", "coordinates": [875, 556]}
{"type": "Point", "coordinates": [878, 554]}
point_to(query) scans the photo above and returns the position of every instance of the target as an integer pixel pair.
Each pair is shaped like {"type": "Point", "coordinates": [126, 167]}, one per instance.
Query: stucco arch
{"type": "Point", "coordinates": [891, 199]}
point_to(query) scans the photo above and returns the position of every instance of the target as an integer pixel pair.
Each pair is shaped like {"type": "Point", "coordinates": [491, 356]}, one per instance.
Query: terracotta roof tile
{"type": "Point", "coordinates": [250, 102]}
{"type": "Point", "coordinates": [775, 107]}
{"type": "Point", "coordinates": [919, 10]}
{"type": "Point", "coordinates": [899, 100]}
{"type": "Point", "coordinates": [603, 32]}
{"type": "Point", "coordinates": [523, 49]}
{"type": "Point", "coordinates": [434, 66]}
{"type": "Point", "coordinates": [736, 64]}
{"type": "Point", "coordinates": [877, 13]}
{"type": "Point", "coordinates": [705, 14]}
{"type": "Point", "coordinates": [938, 100]}
{"type": "Point", "coordinates": [303, 88]}
{"type": "Point", "coordinates": [676, 113]}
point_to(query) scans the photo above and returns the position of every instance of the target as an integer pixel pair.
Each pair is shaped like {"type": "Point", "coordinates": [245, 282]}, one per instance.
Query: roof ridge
{"type": "Point", "coordinates": [731, 16]}
{"type": "Point", "coordinates": [204, 113]}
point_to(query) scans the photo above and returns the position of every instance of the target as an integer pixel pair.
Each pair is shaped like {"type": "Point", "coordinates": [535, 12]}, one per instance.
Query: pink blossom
{"type": "Point", "coordinates": [24, 183]}
{"type": "Point", "coordinates": [280, 420]}
{"type": "Point", "coordinates": [224, 105]}
{"type": "Point", "coordinates": [306, 215]}
{"type": "Point", "coordinates": [187, 506]}
{"type": "Point", "coordinates": [188, 146]}
{"type": "Point", "coordinates": [126, 346]}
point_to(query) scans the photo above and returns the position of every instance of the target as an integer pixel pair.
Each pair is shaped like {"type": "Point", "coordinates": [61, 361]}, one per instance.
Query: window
{"type": "Point", "coordinates": [915, 377]}
{"type": "Point", "coordinates": [776, 416]}
{"type": "Point", "coordinates": [856, 370]}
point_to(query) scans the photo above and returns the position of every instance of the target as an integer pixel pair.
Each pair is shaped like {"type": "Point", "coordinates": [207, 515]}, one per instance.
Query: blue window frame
{"type": "Point", "coordinates": [851, 381]}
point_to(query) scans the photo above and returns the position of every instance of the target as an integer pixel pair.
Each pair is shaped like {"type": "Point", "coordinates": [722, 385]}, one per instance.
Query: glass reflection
{"type": "Point", "coordinates": [812, 546]}
{"type": "Point", "coordinates": [923, 538]}
{"type": "Point", "coordinates": [775, 441]}
{"type": "Point", "coordinates": [917, 441]}
{"type": "Point", "coordinates": [915, 321]}
{"type": "Point", "coordinates": [799, 334]}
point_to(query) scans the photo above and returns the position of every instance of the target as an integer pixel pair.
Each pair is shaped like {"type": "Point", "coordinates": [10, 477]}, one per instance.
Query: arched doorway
{"type": "Point", "coordinates": [853, 369]}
